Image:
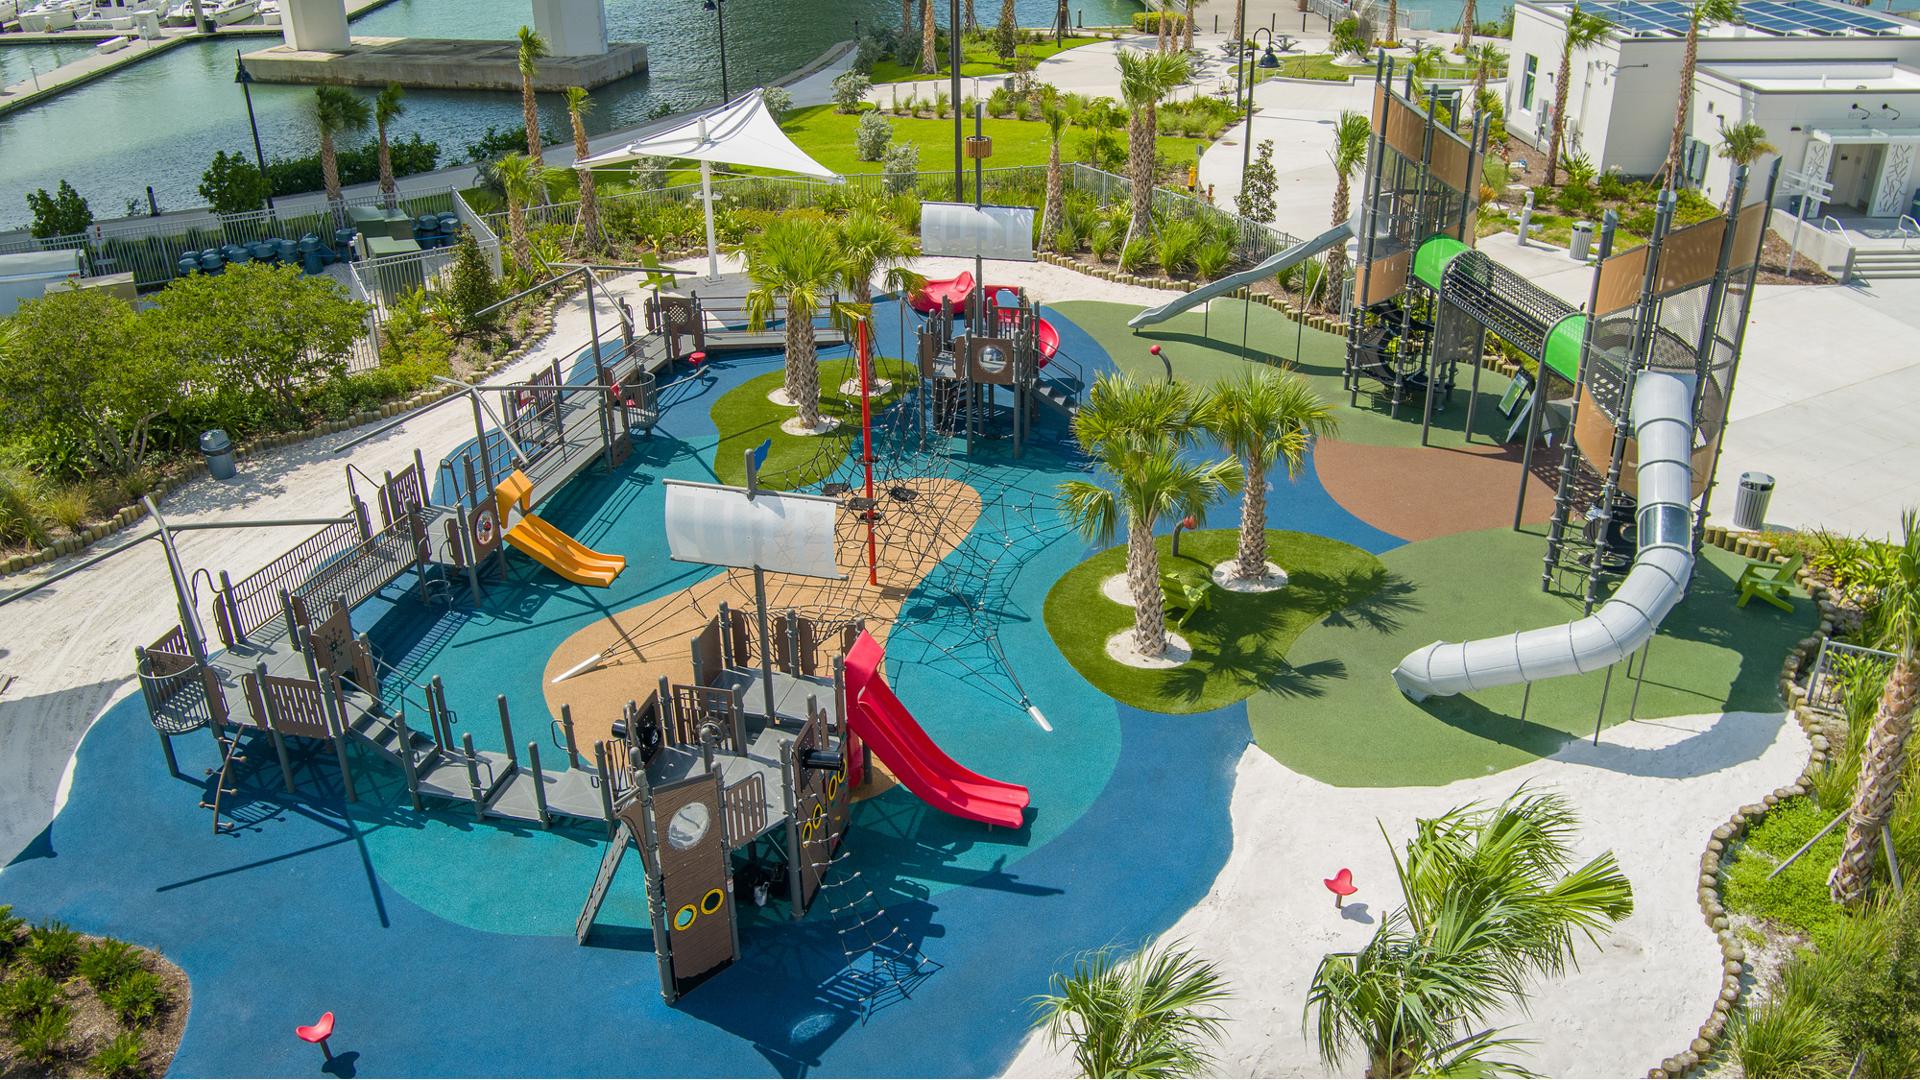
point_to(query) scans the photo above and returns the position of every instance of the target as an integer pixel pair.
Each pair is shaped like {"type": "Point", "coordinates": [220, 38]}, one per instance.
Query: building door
{"type": "Point", "coordinates": [1855, 168]}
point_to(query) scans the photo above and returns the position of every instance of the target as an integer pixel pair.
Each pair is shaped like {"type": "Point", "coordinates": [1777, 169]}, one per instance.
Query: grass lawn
{"type": "Point", "coordinates": [1238, 642]}
{"type": "Point", "coordinates": [1339, 718]}
{"type": "Point", "coordinates": [1799, 897]}
{"type": "Point", "coordinates": [1322, 66]}
{"type": "Point", "coordinates": [1206, 348]}
{"type": "Point", "coordinates": [828, 136]}
{"type": "Point", "coordinates": [745, 418]}
{"type": "Point", "coordinates": [976, 58]}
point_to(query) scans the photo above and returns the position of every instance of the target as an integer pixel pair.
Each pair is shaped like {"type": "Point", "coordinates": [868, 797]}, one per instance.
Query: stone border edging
{"type": "Point", "coordinates": [1819, 735]}
{"type": "Point", "coordinates": [196, 466]}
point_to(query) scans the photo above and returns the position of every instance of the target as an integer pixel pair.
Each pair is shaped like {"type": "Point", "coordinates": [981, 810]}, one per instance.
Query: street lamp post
{"type": "Point", "coordinates": [245, 78]}
{"type": "Point", "coordinates": [959, 131]}
{"type": "Point", "coordinates": [719, 9]}
{"type": "Point", "coordinates": [1245, 63]}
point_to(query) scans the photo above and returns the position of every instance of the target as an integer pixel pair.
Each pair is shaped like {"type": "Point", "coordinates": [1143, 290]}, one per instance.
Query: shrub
{"type": "Point", "coordinates": [69, 508]}
{"type": "Point", "coordinates": [108, 962]}
{"type": "Point", "coordinates": [361, 164]}
{"type": "Point", "coordinates": [870, 139]}
{"type": "Point", "coordinates": [62, 213]}
{"type": "Point", "coordinates": [124, 1056]}
{"type": "Point", "coordinates": [849, 90]}
{"type": "Point", "coordinates": [777, 100]}
{"type": "Point", "coordinates": [471, 287]}
{"type": "Point", "coordinates": [1785, 1038]}
{"type": "Point", "coordinates": [1102, 240]}
{"type": "Point", "coordinates": [53, 948]}
{"type": "Point", "coordinates": [1137, 255]}
{"type": "Point", "coordinates": [902, 168]}
{"type": "Point", "coordinates": [42, 1038]}
{"type": "Point", "coordinates": [1213, 258]}
{"type": "Point", "coordinates": [942, 104]}
{"type": "Point", "coordinates": [20, 520]}
{"type": "Point", "coordinates": [1064, 240]}
{"type": "Point", "coordinates": [10, 925]}
{"type": "Point", "coordinates": [137, 999]}
{"type": "Point", "coordinates": [27, 996]}
{"type": "Point", "coordinates": [232, 184]}
{"type": "Point", "coordinates": [1347, 38]}
{"type": "Point", "coordinates": [1179, 239]}
{"type": "Point", "coordinates": [1255, 201]}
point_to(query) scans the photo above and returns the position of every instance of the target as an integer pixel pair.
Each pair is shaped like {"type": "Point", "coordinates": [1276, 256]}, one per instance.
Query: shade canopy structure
{"type": "Point", "coordinates": [742, 132]}
{"type": "Point", "coordinates": [759, 530]}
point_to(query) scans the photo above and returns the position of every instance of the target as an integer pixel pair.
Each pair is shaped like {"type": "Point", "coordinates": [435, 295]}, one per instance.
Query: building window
{"type": "Point", "coordinates": [1527, 74]}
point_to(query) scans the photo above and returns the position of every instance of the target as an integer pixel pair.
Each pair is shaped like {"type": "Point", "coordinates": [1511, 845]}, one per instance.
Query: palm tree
{"type": "Point", "coordinates": [906, 16]}
{"type": "Point", "coordinates": [1423, 66]}
{"type": "Point", "coordinates": [1351, 134]}
{"type": "Point", "coordinates": [532, 48]}
{"type": "Point", "coordinates": [1187, 30]}
{"type": "Point", "coordinates": [1264, 417]}
{"type": "Point", "coordinates": [1393, 24]}
{"type": "Point", "coordinates": [1148, 1015]}
{"type": "Point", "coordinates": [520, 179]}
{"type": "Point", "coordinates": [794, 258]}
{"type": "Point", "coordinates": [1893, 623]}
{"type": "Point", "coordinates": [1705, 14]}
{"type": "Point", "coordinates": [1146, 78]}
{"type": "Point", "coordinates": [1486, 59]}
{"type": "Point", "coordinates": [1061, 22]}
{"type": "Point", "coordinates": [1466, 26]}
{"type": "Point", "coordinates": [1136, 432]}
{"type": "Point", "coordinates": [1583, 30]}
{"type": "Point", "coordinates": [336, 111]}
{"type": "Point", "coordinates": [388, 107]}
{"type": "Point", "coordinates": [1491, 904]}
{"type": "Point", "coordinates": [967, 18]}
{"type": "Point", "coordinates": [1743, 144]}
{"type": "Point", "coordinates": [1050, 215]}
{"type": "Point", "coordinates": [929, 43]}
{"type": "Point", "coordinates": [870, 246]}
{"type": "Point", "coordinates": [579, 104]}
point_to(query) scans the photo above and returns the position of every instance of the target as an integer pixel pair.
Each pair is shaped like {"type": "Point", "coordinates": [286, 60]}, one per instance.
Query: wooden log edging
{"type": "Point", "coordinates": [191, 469]}
{"type": "Point", "coordinates": [1820, 735]}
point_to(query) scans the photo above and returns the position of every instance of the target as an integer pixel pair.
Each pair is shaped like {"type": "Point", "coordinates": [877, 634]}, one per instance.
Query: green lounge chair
{"type": "Point", "coordinates": [1769, 582]}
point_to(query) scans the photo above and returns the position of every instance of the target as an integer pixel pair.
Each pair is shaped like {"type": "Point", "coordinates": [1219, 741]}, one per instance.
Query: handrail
{"type": "Point", "coordinates": [1908, 228]}
{"type": "Point", "coordinates": [1838, 229]}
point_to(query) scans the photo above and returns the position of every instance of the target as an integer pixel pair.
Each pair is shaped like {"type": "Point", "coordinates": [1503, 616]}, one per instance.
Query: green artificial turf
{"type": "Point", "coordinates": [1336, 715]}
{"type": "Point", "coordinates": [977, 57]}
{"type": "Point", "coordinates": [745, 418]}
{"type": "Point", "coordinates": [1237, 643]}
{"type": "Point", "coordinates": [1799, 897]}
{"type": "Point", "coordinates": [828, 137]}
{"type": "Point", "coordinates": [1205, 348]}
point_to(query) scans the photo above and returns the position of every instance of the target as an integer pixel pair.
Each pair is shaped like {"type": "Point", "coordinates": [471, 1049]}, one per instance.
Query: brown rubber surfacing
{"type": "Point", "coordinates": [1419, 493]}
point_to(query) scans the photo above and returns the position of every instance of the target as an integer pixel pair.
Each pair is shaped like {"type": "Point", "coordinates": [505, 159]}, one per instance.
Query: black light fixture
{"type": "Point", "coordinates": [1268, 59]}
{"type": "Point", "coordinates": [719, 9]}
{"type": "Point", "coordinates": [245, 78]}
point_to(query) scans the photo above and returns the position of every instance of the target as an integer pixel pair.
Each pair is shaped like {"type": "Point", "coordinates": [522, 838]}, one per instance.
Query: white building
{"type": "Point", "coordinates": [1836, 87]}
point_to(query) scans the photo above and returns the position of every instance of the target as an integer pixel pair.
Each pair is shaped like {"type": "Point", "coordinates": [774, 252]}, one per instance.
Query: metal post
{"type": "Point", "coordinates": [1601, 716]}
{"type": "Point", "coordinates": [1639, 678]}
{"type": "Point", "coordinates": [566, 728]}
{"type": "Point", "coordinates": [1563, 491]}
{"type": "Point", "coordinates": [656, 896]}
{"type": "Point", "coordinates": [506, 731]}
{"type": "Point", "coordinates": [473, 778]}
{"type": "Point", "coordinates": [539, 783]}
{"type": "Point", "coordinates": [787, 782]}
{"type": "Point", "coordinates": [245, 78]}
{"type": "Point", "coordinates": [953, 63]}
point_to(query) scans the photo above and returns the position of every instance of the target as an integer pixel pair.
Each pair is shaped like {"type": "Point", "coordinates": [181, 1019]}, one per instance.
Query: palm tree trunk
{"type": "Point", "coordinates": [1056, 193]}
{"type": "Point", "coordinates": [1883, 761]}
{"type": "Point", "coordinates": [1336, 266]}
{"type": "Point", "coordinates": [1140, 169]}
{"type": "Point", "coordinates": [1062, 22]}
{"type": "Point", "coordinates": [906, 16]}
{"type": "Point", "coordinates": [803, 372]}
{"type": "Point", "coordinates": [929, 42]}
{"type": "Point", "coordinates": [1143, 581]}
{"type": "Point", "coordinates": [1559, 116]}
{"type": "Point", "coordinates": [530, 110]}
{"type": "Point", "coordinates": [386, 171]}
{"type": "Point", "coordinates": [1188, 28]}
{"type": "Point", "coordinates": [1677, 143]}
{"type": "Point", "coordinates": [1253, 523]}
{"type": "Point", "coordinates": [1466, 27]}
{"type": "Point", "coordinates": [589, 200]}
{"type": "Point", "coordinates": [1239, 23]}
{"type": "Point", "coordinates": [967, 17]}
{"type": "Point", "coordinates": [329, 168]}
{"type": "Point", "coordinates": [1393, 22]}
{"type": "Point", "coordinates": [517, 235]}
{"type": "Point", "coordinates": [1479, 88]}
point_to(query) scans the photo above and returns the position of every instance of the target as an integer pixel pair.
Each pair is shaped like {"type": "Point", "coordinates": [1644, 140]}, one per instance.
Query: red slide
{"type": "Point", "coordinates": [926, 300]}
{"type": "Point", "coordinates": [878, 718]}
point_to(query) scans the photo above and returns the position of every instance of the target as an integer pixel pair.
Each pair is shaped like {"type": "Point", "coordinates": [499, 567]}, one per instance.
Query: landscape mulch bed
{"type": "Point", "coordinates": [94, 1026]}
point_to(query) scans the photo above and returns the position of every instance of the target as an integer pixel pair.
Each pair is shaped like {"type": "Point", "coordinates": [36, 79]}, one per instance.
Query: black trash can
{"type": "Point", "coordinates": [1750, 501]}
{"type": "Point", "coordinates": [217, 448]}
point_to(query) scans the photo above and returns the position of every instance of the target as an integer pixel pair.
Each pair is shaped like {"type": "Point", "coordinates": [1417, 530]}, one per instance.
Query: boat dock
{"type": "Point", "coordinates": [39, 87]}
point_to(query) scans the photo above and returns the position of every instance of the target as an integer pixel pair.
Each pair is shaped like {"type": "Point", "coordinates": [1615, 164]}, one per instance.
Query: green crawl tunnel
{"type": "Point", "coordinates": [1563, 346]}
{"type": "Point", "coordinates": [1430, 261]}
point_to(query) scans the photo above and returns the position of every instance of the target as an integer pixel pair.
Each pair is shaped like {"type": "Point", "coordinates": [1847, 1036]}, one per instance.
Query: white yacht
{"type": "Point", "coordinates": [228, 12]}
{"type": "Point", "coordinates": [53, 15]}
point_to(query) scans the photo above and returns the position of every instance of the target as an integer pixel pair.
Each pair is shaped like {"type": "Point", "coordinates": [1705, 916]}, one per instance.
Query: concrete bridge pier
{"type": "Point", "coordinates": [315, 25]}
{"type": "Point", "coordinates": [572, 27]}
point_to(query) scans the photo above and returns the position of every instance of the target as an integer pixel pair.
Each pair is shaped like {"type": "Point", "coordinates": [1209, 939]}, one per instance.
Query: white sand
{"type": "Point", "coordinates": [793, 426]}
{"type": "Point", "coordinates": [1652, 792]}
{"type": "Point", "coordinates": [1116, 589]}
{"type": "Point", "coordinates": [851, 387]}
{"type": "Point", "coordinates": [779, 396]}
{"type": "Point", "coordinates": [1226, 575]}
{"type": "Point", "coordinates": [1120, 647]}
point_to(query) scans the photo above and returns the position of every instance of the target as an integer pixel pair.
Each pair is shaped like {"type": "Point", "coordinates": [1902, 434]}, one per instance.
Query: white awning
{"type": "Point", "coordinates": [741, 132]}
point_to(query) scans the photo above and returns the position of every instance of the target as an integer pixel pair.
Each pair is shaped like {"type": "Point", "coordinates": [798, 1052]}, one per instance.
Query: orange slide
{"type": "Point", "coordinates": [547, 545]}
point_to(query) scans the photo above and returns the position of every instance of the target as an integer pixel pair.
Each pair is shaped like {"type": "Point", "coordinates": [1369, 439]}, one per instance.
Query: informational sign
{"type": "Point", "coordinates": [967, 231]}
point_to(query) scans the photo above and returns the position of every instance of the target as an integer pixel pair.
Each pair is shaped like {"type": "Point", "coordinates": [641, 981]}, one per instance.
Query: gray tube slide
{"type": "Point", "coordinates": [1300, 252]}
{"type": "Point", "coordinates": [1663, 423]}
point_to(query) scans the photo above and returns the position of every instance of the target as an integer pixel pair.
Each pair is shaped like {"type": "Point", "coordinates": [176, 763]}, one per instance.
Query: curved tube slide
{"type": "Point", "coordinates": [1662, 414]}
{"type": "Point", "coordinates": [1300, 252]}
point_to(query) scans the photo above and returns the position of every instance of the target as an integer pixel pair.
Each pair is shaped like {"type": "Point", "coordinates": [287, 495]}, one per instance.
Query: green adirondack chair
{"type": "Point", "coordinates": [1769, 582]}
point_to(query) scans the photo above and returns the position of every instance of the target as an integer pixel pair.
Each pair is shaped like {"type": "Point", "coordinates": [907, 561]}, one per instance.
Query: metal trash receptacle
{"type": "Point", "coordinates": [217, 448]}
{"type": "Point", "coordinates": [1750, 501]}
{"type": "Point", "coordinates": [1580, 242]}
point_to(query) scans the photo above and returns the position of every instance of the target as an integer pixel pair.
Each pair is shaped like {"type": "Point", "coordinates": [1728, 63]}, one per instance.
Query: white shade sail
{"type": "Point", "coordinates": [741, 132]}
{"type": "Point", "coordinates": [722, 526]}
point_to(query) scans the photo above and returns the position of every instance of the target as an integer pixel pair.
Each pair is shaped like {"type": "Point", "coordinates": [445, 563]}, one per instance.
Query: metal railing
{"type": "Point", "coordinates": [1909, 230]}
{"type": "Point", "coordinates": [1826, 683]}
{"type": "Point", "coordinates": [243, 607]}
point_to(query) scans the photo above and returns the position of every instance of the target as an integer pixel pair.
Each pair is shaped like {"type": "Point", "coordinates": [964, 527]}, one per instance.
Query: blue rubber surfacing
{"type": "Point", "coordinates": [445, 946]}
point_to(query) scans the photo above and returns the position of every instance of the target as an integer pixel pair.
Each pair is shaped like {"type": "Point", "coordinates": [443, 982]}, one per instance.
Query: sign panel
{"type": "Point", "coordinates": [968, 231]}
{"type": "Point", "coordinates": [775, 531]}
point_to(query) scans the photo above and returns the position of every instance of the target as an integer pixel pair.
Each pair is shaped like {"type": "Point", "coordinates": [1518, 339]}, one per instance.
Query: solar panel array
{"type": "Point", "coordinates": [1805, 18]}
